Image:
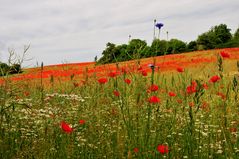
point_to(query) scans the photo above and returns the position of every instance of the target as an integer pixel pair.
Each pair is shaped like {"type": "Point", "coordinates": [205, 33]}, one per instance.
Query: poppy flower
{"type": "Point", "coordinates": [139, 68]}
{"type": "Point", "coordinates": [179, 101]}
{"type": "Point", "coordinates": [180, 69]}
{"type": "Point", "coordinates": [144, 73]}
{"type": "Point", "coordinates": [221, 95]}
{"type": "Point", "coordinates": [128, 81]}
{"type": "Point", "coordinates": [116, 93]}
{"type": "Point", "coordinates": [103, 80]}
{"type": "Point", "coordinates": [136, 150]}
{"type": "Point", "coordinates": [26, 94]}
{"type": "Point", "coordinates": [112, 74]}
{"type": "Point", "coordinates": [123, 70]}
{"type": "Point", "coordinates": [153, 88]}
{"type": "Point", "coordinates": [162, 149]}
{"type": "Point", "coordinates": [191, 104]}
{"type": "Point", "coordinates": [76, 84]}
{"type": "Point", "coordinates": [191, 89]}
{"type": "Point", "coordinates": [224, 54]}
{"type": "Point", "coordinates": [233, 130]}
{"type": "Point", "coordinates": [154, 100]}
{"type": "Point", "coordinates": [214, 79]}
{"type": "Point", "coordinates": [81, 122]}
{"type": "Point", "coordinates": [171, 94]}
{"type": "Point", "coordinates": [205, 86]}
{"type": "Point", "coordinates": [66, 127]}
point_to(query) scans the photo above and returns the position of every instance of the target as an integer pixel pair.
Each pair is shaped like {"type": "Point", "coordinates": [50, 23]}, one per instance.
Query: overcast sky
{"type": "Point", "coordinates": [61, 31]}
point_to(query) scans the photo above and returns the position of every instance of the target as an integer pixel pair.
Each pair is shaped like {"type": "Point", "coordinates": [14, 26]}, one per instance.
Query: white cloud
{"type": "Point", "coordinates": [77, 30]}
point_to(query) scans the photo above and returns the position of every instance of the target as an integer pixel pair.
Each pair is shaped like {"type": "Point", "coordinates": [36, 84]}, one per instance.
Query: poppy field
{"type": "Point", "coordinates": [173, 106]}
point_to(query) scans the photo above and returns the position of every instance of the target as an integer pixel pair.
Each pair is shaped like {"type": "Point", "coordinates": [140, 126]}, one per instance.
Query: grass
{"type": "Point", "coordinates": [201, 121]}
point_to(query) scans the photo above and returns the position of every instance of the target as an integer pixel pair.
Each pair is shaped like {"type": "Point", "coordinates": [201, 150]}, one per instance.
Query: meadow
{"type": "Point", "coordinates": [173, 106]}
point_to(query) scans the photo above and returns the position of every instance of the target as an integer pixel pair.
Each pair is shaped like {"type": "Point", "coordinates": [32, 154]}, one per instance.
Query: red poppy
{"type": "Point", "coordinates": [144, 73]}
{"type": "Point", "coordinates": [162, 149]}
{"type": "Point", "coordinates": [26, 94]}
{"type": "Point", "coordinates": [124, 70]}
{"type": "Point", "coordinates": [76, 84]}
{"type": "Point", "coordinates": [139, 68]}
{"type": "Point", "coordinates": [205, 86]}
{"type": "Point", "coordinates": [103, 80]}
{"type": "Point", "coordinates": [172, 94]}
{"type": "Point", "coordinates": [191, 104]}
{"type": "Point", "coordinates": [128, 81]}
{"type": "Point", "coordinates": [221, 95]}
{"type": "Point", "coordinates": [112, 74]}
{"type": "Point", "coordinates": [233, 130]}
{"type": "Point", "coordinates": [214, 79]}
{"type": "Point", "coordinates": [180, 69]}
{"type": "Point", "coordinates": [225, 54]}
{"type": "Point", "coordinates": [66, 127]}
{"type": "Point", "coordinates": [81, 122]}
{"type": "Point", "coordinates": [179, 101]}
{"type": "Point", "coordinates": [136, 150]}
{"type": "Point", "coordinates": [116, 93]}
{"type": "Point", "coordinates": [191, 89]}
{"type": "Point", "coordinates": [153, 88]}
{"type": "Point", "coordinates": [154, 100]}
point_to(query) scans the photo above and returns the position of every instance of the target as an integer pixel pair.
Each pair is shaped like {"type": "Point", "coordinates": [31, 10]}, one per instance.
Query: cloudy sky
{"type": "Point", "coordinates": [61, 31]}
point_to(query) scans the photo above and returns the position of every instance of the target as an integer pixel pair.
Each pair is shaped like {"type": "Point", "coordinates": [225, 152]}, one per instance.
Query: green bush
{"type": "Point", "coordinates": [6, 69]}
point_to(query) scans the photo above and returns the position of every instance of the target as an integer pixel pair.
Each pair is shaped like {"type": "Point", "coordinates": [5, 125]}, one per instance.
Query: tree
{"type": "Point", "coordinates": [136, 48]}
{"type": "Point", "coordinates": [192, 46]}
{"type": "Point", "coordinates": [222, 34]}
{"type": "Point", "coordinates": [158, 47]}
{"type": "Point", "coordinates": [236, 35]}
{"type": "Point", "coordinates": [176, 46]}
{"type": "Point", "coordinates": [215, 37]}
{"type": "Point", "coordinates": [108, 54]}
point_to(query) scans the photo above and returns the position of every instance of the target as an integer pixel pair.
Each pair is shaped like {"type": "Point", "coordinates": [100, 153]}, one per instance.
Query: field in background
{"type": "Point", "coordinates": [174, 106]}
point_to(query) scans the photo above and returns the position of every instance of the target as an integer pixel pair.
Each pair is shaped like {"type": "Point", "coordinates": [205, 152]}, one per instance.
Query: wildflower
{"type": "Point", "coordinates": [205, 86]}
{"type": "Point", "coordinates": [26, 94]}
{"type": "Point", "coordinates": [153, 88]}
{"type": "Point", "coordinates": [154, 100]}
{"type": "Point", "coordinates": [179, 101]}
{"type": "Point", "coordinates": [136, 150]}
{"type": "Point", "coordinates": [191, 104]}
{"type": "Point", "coordinates": [124, 70]}
{"type": "Point", "coordinates": [116, 93]}
{"type": "Point", "coordinates": [221, 95]}
{"type": "Point", "coordinates": [103, 80]}
{"type": "Point", "coordinates": [152, 66]}
{"type": "Point", "coordinates": [76, 84]}
{"type": "Point", "coordinates": [180, 69]}
{"type": "Point", "coordinates": [139, 68]}
{"type": "Point", "coordinates": [81, 122]}
{"type": "Point", "coordinates": [159, 25]}
{"type": "Point", "coordinates": [191, 89]}
{"type": "Point", "coordinates": [128, 81]}
{"type": "Point", "coordinates": [66, 127]}
{"type": "Point", "coordinates": [112, 74]}
{"type": "Point", "coordinates": [162, 149]}
{"type": "Point", "coordinates": [233, 129]}
{"type": "Point", "coordinates": [224, 54]}
{"type": "Point", "coordinates": [214, 79]}
{"type": "Point", "coordinates": [144, 73]}
{"type": "Point", "coordinates": [204, 105]}
{"type": "Point", "coordinates": [171, 94]}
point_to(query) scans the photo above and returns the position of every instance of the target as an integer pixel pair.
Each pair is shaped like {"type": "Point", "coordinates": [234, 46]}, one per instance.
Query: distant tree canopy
{"type": "Point", "coordinates": [6, 69]}
{"type": "Point", "coordinates": [217, 37]}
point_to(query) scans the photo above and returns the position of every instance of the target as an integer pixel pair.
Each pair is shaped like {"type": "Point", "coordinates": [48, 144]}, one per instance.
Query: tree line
{"type": "Point", "coordinates": [217, 37]}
